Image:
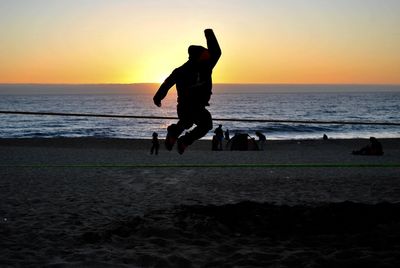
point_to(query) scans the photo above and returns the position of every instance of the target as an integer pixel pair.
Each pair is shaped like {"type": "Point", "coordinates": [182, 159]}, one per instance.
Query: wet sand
{"type": "Point", "coordinates": [109, 203]}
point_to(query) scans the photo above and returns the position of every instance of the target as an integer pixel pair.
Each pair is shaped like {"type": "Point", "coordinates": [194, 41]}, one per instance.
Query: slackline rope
{"type": "Point", "coordinates": [261, 165]}
{"type": "Point", "coordinates": [215, 119]}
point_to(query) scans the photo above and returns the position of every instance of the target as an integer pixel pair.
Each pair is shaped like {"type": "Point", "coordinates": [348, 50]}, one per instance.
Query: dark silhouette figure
{"type": "Point", "coordinates": [325, 137]}
{"type": "Point", "coordinates": [261, 140]}
{"type": "Point", "coordinates": [155, 144]}
{"type": "Point", "coordinates": [226, 135]}
{"type": "Point", "coordinates": [214, 143]}
{"type": "Point", "coordinates": [242, 142]}
{"type": "Point", "coordinates": [374, 148]}
{"type": "Point", "coordinates": [193, 83]}
{"type": "Point", "coordinates": [219, 136]}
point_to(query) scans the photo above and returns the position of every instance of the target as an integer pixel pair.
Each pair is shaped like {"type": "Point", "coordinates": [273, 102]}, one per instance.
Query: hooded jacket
{"type": "Point", "coordinates": [193, 79]}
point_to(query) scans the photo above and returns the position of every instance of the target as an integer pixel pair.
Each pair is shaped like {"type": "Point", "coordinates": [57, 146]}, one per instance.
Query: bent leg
{"type": "Point", "coordinates": [175, 130]}
{"type": "Point", "coordinates": [203, 123]}
{"type": "Point", "coordinates": [185, 116]}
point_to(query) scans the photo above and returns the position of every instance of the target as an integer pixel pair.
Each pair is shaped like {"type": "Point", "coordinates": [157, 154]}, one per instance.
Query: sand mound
{"type": "Point", "coordinates": [254, 234]}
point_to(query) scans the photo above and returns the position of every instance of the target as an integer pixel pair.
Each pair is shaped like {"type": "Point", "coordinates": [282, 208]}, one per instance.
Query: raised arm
{"type": "Point", "coordinates": [213, 47]}
{"type": "Point", "coordinates": [163, 90]}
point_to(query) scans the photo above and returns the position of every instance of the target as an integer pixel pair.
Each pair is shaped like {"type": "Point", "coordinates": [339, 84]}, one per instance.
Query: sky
{"type": "Point", "coordinates": [262, 41]}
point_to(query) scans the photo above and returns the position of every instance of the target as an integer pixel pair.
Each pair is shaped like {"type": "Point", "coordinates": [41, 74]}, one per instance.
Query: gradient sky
{"type": "Point", "coordinates": [263, 41]}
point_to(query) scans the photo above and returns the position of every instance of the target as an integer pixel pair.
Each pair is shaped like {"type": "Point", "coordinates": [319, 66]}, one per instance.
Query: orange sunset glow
{"type": "Point", "coordinates": [310, 41]}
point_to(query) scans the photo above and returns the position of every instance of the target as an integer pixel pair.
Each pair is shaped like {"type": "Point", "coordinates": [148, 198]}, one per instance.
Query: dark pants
{"type": "Point", "coordinates": [189, 116]}
{"type": "Point", "coordinates": [155, 148]}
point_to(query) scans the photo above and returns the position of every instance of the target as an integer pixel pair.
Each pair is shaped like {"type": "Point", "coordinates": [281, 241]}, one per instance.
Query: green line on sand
{"type": "Point", "coordinates": [260, 165]}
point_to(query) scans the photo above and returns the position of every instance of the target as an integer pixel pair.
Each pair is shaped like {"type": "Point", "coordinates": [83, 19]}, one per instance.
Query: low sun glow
{"type": "Point", "coordinates": [138, 42]}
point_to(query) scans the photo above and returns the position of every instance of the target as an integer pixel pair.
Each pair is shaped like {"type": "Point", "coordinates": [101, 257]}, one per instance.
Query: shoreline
{"type": "Point", "coordinates": [138, 143]}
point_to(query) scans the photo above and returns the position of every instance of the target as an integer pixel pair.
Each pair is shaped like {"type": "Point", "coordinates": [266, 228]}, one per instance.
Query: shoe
{"type": "Point", "coordinates": [170, 139]}
{"type": "Point", "coordinates": [169, 142]}
{"type": "Point", "coordinates": [181, 146]}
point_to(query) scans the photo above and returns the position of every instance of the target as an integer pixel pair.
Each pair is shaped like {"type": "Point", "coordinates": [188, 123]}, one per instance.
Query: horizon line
{"type": "Point", "coordinates": [230, 83]}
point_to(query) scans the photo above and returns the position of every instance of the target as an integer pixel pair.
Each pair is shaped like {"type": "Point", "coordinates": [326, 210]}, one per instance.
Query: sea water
{"type": "Point", "coordinates": [286, 103]}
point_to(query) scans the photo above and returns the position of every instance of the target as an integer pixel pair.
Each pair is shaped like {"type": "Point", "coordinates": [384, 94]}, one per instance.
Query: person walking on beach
{"type": "Point", "coordinates": [227, 135]}
{"type": "Point", "coordinates": [155, 144]}
{"type": "Point", "coordinates": [219, 135]}
{"type": "Point", "coordinates": [261, 140]}
{"type": "Point", "coordinates": [193, 84]}
{"type": "Point", "coordinates": [227, 138]}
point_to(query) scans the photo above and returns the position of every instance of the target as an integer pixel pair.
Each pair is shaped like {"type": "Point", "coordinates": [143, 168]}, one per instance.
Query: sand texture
{"type": "Point", "coordinates": [90, 202]}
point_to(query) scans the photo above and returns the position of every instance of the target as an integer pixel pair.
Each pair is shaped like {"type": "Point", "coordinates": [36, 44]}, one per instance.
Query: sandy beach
{"type": "Point", "coordinates": [87, 202]}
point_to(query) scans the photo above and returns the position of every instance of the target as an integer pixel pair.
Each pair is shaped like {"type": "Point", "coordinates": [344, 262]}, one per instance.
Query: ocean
{"type": "Point", "coordinates": [283, 102]}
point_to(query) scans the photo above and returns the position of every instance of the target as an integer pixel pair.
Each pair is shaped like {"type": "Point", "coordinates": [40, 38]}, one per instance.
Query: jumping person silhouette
{"type": "Point", "coordinates": [194, 84]}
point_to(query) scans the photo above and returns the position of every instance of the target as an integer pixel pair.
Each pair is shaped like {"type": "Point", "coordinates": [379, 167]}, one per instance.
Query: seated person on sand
{"type": "Point", "coordinates": [374, 148]}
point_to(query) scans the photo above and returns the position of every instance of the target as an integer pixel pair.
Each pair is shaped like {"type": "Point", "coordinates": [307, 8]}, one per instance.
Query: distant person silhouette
{"type": "Point", "coordinates": [227, 138]}
{"type": "Point", "coordinates": [226, 135]}
{"type": "Point", "coordinates": [374, 148]}
{"type": "Point", "coordinates": [261, 140]}
{"type": "Point", "coordinates": [155, 144]}
{"type": "Point", "coordinates": [219, 135]}
{"type": "Point", "coordinates": [193, 83]}
{"type": "Point", "coordinates": [214, 143]}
